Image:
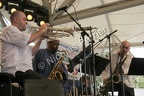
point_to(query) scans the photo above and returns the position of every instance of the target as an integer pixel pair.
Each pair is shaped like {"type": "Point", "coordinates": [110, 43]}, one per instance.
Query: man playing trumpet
{"type": "Point", "coordinates": [16, 52]}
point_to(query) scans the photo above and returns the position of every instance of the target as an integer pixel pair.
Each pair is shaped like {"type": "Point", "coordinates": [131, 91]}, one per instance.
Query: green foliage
{"type": "Point", "coordinates": [138, 81]}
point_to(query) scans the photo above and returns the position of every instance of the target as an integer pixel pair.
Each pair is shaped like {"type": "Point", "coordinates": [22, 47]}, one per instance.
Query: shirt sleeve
{"type": "Point", "coordinates": [14, 36]}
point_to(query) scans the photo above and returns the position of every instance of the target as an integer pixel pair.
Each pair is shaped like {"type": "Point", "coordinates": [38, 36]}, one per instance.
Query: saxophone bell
{"type": "Point", "coordinates": [116, 78]}
{"type": "Point", "coordinates": [56, 75]}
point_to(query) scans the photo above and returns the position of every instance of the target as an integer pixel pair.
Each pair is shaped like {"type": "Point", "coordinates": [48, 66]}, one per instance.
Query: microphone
{"type": "Point", "coordinates": [85, 28]}
{"type": "Point", "coordinates": [62, 8]}
{"type": "Point", "coordinates": [111, 33]}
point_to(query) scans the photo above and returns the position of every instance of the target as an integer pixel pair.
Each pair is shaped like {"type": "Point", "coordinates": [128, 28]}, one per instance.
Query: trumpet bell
{"type": "Point", "coordinates": [67, 30]}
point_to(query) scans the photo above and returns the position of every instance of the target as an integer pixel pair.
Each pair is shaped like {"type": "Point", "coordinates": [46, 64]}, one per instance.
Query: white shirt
{"type": "Point", "coordinates": [16, 54]}
{"type": "Point", "coordinates": [127, 79]}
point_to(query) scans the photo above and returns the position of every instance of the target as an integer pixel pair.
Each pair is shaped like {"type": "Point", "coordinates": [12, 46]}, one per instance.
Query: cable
{"type": "Point", "coordinates": [55, 6]}
{"type": "Point", "coordinates": [135, 35]}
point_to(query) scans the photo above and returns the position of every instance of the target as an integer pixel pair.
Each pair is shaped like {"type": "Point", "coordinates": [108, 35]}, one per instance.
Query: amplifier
{"type": "Point", "coordinates": [43, 88]}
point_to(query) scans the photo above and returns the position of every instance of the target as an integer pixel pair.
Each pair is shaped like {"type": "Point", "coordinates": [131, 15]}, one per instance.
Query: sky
{"type": "Point", "coordinates": [137, 52]}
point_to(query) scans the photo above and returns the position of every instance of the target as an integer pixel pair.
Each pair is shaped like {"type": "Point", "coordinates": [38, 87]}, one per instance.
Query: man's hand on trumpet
{"type": "Point", "coordinates": [45, 28]}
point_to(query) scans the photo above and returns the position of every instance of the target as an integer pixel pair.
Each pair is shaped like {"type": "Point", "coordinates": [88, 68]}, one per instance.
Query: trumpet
{"type": "Point", "coordinates": [72, 76]}
{"type": "Point", "coordinates": [55, 31]}
{"type": "Point", "coordinates": [73, 89]}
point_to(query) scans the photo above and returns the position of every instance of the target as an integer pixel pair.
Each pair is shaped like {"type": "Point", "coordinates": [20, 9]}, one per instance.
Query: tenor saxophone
{"type": "Point", "coordinates": [115, 77]}
{"type": "Point", "coordinates": [55, 74]}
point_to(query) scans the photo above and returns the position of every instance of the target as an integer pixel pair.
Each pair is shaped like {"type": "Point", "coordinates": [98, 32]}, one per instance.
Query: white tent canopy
{"type": "Point", "coordinates": [103, 16]}
{"type": "Point", "coordinates": [125, 16]}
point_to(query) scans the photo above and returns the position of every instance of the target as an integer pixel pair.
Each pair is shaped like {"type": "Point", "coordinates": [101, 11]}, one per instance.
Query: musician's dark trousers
{"type": "Point", "coordinates": [128, 91]}
{"type": "Point", "coordinates": [29, 74]}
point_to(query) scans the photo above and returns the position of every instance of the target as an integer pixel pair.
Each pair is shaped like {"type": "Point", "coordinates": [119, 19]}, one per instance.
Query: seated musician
{"type": "Point", "coordinates": [46, 59]}
{"type": "Point", "coordinates": [16, 52]}
{"type": "Point", "coordinates": [123, 57]}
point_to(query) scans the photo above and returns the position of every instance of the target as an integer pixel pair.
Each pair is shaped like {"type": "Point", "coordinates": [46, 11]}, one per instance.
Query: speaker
{"type": "Point", "coordinates": [5, 90]}
{"type": "Point", "coordinates": [43, 88]}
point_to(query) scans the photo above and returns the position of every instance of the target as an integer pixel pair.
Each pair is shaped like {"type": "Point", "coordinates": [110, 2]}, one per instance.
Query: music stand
{"type": "Point", "coordinates": [136, 67]}
{"type": "Point", "coordinates": [76, 59]}
{"type": "Point", "coordinates": [100, 65]}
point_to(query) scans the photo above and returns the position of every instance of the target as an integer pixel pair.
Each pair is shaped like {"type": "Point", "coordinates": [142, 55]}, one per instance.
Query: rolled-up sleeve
{"type": "Point", "coordinates": [15, 36]}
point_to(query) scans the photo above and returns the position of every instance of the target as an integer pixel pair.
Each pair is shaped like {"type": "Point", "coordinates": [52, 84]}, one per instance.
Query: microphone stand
{"type": "Point", "coordinates": [83, 33]}
{"type": "Point", "coordinates": [108, 37]}
{"type": "Point", "coordinates": [122, 83]}
{"type": "Point", "coordinates": [93, 61]}
{"type": "Point", "coordinates": [81, 81]}
{"type": "Point", "coordinates": [104, 38]}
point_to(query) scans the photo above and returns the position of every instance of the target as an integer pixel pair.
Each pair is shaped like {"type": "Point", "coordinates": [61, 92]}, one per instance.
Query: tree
{"type": "Point", "coordinates": [138, 81]}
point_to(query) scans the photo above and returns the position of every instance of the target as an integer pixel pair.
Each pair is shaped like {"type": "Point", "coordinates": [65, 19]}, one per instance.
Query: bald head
{"type": "Point", "coordinates": [19, 20]}
{"type": "Point", "coordinates": [124, 48]}
{"type": "Point", "coordinates": [15, 14]}
{"type": "Point", "coordinates": [125, 43]}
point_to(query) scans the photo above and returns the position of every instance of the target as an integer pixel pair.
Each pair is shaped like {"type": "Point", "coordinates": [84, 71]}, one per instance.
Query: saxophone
{"type": "Point", "coordinates": [115, 77]}
{"type": "Point", "coordinates": [55, 74]}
